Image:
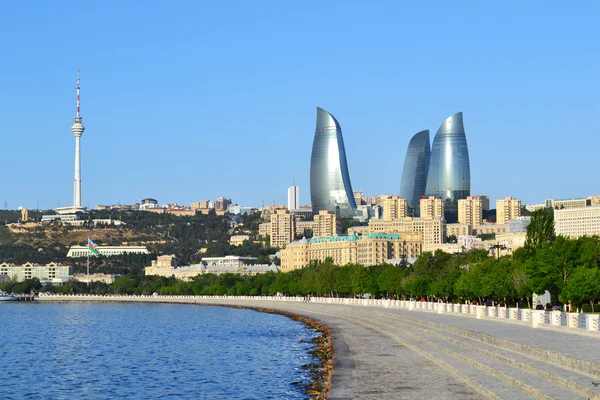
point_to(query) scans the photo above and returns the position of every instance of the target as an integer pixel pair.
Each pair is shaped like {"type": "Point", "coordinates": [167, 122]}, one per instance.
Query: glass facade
{"type": "Point", "coordinates": [414, 173]}
{"type": "Point", "coordinates": [330, 187]}
{"type": "Point", "coordinates": [449, 175]}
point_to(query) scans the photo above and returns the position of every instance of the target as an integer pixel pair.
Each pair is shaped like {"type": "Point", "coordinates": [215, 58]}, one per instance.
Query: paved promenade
{"type": "Point", "coordinates": [390, 353]}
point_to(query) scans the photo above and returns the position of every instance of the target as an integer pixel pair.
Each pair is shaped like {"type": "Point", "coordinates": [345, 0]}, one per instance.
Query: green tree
{"type": "Point", "coordinates": [583, 286]}
{"type": "Point", "coordinates": [540, 229]}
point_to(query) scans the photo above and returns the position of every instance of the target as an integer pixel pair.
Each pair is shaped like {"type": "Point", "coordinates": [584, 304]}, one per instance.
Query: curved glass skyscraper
{"type": "Point", "coordinates": [330, 185]}
{"type": "Point", "coordinates": [449, 175]}
{"type": "Point", "coordinates": [414, 173]}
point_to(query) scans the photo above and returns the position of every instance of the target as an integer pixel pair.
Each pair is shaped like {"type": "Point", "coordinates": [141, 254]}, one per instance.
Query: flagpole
{"type": "Point", "coordinates": [88, 266]}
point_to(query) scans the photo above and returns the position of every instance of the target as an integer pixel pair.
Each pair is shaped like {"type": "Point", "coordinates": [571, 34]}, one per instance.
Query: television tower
{"type": "Point", "coordinates": [77, 129]}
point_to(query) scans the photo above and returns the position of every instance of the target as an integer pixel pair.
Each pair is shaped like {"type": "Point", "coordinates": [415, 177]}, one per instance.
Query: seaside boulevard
{"type": "Point", "coordinates": [386, 350]}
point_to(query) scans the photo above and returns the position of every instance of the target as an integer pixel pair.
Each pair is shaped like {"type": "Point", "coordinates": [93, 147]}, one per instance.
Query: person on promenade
{"type": "Point", "coordinates": [548, 307]}
{"type": "Point", "coordinates": [539, 306]}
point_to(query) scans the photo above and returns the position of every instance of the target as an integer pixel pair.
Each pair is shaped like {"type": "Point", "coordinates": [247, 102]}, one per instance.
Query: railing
{"type": "Point", "coordinates": [533, 318]}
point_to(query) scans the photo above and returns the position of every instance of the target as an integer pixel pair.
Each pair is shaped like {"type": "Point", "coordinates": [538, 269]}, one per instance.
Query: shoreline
{"type": "Point", "coordinates": [321, 376]}
{"type": "Point", "coordinates": [321, 373]}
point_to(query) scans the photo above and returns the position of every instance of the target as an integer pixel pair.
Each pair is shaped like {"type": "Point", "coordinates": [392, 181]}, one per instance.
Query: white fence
{"type": "Point", "coordinates": [533, 318]}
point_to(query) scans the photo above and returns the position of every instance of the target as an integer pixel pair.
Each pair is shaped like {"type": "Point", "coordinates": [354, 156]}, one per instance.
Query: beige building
{"type": "Point", "coordinates": [238, 240]}
{"type": "Point", "coordinates": [432, 229]}
{"type": "Point", "coordinates": [470, 211]}
{"type": "Point", "coordinates": [359, 198]}
{"type": "Point", "coordinates": [507, 209]}
{"type": "Point", "coordinates": [282, 228]}
{"type": "Point", "coordinates": [394, 207]}
{"type": "Point", "coordinates": [264, 229]}
{"type": "Point", "coordinates": [326, 223]}
{"type": "Point", "coordinates": [222, 203]}
{"type": "Point", "coordinates": [432, 207]}
{"type": "Point", "coordinates": [368, 249]}
{"type": "Point", "coordinates": [304, 228]}
{"type": "Point", "coordinates": [511, 241]}
{"type": "Point", "coordinates": [485, 201]}
{"type": "Point", "coordinates": [48, 272]}
{"type": "Point", "coordinates": [577, 222]}
{"type": "Point", "coordinates": [457, 230]}
{"type": "Point", "coordinates": [202, 204]}
{"type": "Point", "coordinates": [486, 229]}
{"type": "Point", "coordinates": [568, 203]}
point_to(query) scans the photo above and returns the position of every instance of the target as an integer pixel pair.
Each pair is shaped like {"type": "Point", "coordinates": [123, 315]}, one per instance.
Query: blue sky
{"type": "Point", "coordinates": [191, 100]}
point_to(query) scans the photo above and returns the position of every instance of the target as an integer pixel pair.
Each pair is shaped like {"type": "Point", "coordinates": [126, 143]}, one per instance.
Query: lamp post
{"type": "Point", "coordinates": [498, 247]}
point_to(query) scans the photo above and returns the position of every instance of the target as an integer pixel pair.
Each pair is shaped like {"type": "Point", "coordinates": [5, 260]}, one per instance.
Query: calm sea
{"type": "Point", "coordinates": [150, 351]}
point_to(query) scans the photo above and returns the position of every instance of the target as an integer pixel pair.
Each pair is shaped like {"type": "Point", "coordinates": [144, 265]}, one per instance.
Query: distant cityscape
{"type": "Point", "coordinates": [434, 210]}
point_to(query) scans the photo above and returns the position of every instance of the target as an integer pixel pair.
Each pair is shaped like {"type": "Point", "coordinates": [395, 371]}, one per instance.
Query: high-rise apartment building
{"type": "Point", "coordinates": [449, 174]}
{"type": "Point", "coordinates": [282, 228]}
{"type": "Point", "coordinates": [222, 203]}
{"type": "Point", "coordinates": [431, 207]}
{"type": "Point", "coordinates": [330, 186]}
{"type": "Point", "coordinates": [470, 211]}
{"type": "Point", "coordinates": [394, 207]}
{"type": "Point", "coordinates": [293, 197]}
{"type": "Point", "coordinates": [414, 173]}
{"type": "Point", "coordinates": [507, 209]}
{"type": "Point", "coordinates": [326, 223]}
{"type": "Point", "coordinates": [359, 198]}
{"type": "Point", "coordinates": [485, 201]}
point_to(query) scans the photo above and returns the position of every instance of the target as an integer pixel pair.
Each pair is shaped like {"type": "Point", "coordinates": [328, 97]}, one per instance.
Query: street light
{"type": "Point", "coordinates": [498, 247]}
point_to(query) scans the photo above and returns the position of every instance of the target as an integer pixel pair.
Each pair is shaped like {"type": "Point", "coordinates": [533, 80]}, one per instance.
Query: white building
{"type": "Point", "coordinates": [576, 222]}
{"type": "Point", "coordinates": [82, 251]}
{"type": "Point", "coordinates": [293, 197]}
{"type": "Point", "coordinates": [236, 261]}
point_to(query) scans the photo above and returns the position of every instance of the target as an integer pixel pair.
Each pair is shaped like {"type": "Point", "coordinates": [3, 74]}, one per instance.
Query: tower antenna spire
{"type": "Point", "coordinates": [78, 117]}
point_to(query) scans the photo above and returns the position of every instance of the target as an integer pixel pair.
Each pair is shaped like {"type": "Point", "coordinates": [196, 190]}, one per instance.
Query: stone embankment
{"type": "Point", "coordinates": [388, 349]}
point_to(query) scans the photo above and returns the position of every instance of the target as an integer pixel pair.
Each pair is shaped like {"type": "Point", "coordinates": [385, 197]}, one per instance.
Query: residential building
{"type": "Point", "coordinates": [568, 203]}
{"type": "Point", "coordinates": [359, 198]}
{"type": "Point", "coordinates": [507, 209]}
{"type": "Point", "coordinates": [330, 187]}
{"type": "Point", "coordinates": [394, 207]}
{"type": "Point", "coordinates": [577, 222]}
{"type": "Point", "coordinates": [414, 172]}
{"type": "Point", "coordinates": [303, 211]}
{"type": "Point", "coordinates": [264, 229]}
{"type": "Point", "coordinates": [457, 230]}
{"type": "Point", "coordinates": [326, 223]}
{"type": "Point", "coordinates": [535, 207]}
{"type": "Point", "coordinates": [431, 207]}
{"type": "Point", "coordinates": [368, 249]}
{"type": "Point", "coordinates": [222, 203]}
{"type": "Point", "coordinates": [449, 174]}
{"type": "Point", "coordinates": [238, 240]}
{"type": "Point", "coordinates": [48, 272]}
{"type": "Point", "coordinates": [486, 229]}
{"type": "Point", "coordinates": [282, 228]}
{"type": "Point", "coordinates": [485, 201]}
{"type": "Point", "coordinates": [470, 211]}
